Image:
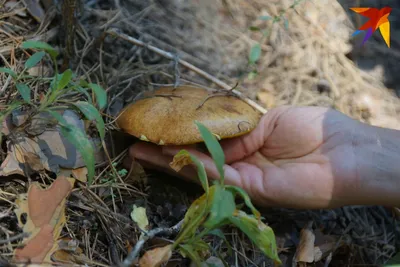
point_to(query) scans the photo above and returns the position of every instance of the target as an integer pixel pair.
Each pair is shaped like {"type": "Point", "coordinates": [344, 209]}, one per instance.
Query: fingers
{"type": "Point", "coordinates": [232, 177]}
{"type": "Point", "coordinates": [159, 157]}
{"type": "Point", "coordinates": [151, 156]}
{"type": "Point", "coordinates": [240, 147]}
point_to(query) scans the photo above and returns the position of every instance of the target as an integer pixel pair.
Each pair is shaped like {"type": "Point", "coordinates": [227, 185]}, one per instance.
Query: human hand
{"type": "Point", "coordinates": [297, 157]}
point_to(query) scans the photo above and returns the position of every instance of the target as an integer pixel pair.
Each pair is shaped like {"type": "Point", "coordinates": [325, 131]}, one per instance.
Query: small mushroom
{"type": "Point", "coordinates": [167, 116]}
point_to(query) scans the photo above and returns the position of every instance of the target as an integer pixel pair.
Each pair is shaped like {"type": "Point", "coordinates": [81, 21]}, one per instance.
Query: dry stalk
{"type": "Point", "coordinates": [146, 236]}
{"type": "Point", "coordinates": [116, 33]}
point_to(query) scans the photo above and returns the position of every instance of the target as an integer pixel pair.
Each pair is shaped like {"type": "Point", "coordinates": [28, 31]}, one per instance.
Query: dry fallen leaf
{"type": "Point", "coordinates": [35, 9]}
{"type": "Point", "coordinates": [68, 252]}
{"type": "Point", "coordinates": [80, 174]}
{"type": "Point", "coordinates": [180, 160]}
{"type": "Point", "coordinates": [48, 150]}
{"type": "Point", "coordinates": [139, 216]}
{"type": "Point", "coordinates": [15, 6]}
{"type": "Point", "coordinates": [305, 249]}
{"type": "Point", "coordinates": [156, 257]}
{"type": "Point", "coordinates": [45, 218]}
{"type": "Point", "coordinates": [324, 244]}
{"type": "Point", "coordinates": [267, 99]}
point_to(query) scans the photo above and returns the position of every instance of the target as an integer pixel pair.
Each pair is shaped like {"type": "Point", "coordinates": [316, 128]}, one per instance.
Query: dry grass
{"type": "Point", "coordinates": [305, 64]}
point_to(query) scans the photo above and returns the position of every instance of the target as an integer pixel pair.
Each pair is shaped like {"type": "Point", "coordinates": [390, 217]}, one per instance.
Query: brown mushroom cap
{"type": "Point", "coordinates": [167, 116]}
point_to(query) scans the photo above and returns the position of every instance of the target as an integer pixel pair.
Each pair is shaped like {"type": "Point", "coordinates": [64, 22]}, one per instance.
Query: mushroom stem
{"type": "Point", "coordinates": [117, 33]}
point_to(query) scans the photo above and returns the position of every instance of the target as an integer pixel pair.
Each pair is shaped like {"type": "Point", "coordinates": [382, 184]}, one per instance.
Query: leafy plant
{"type": "Point", "coordinates": [256, 51]}
{"type": "Point", "coordinates": [55, 99]}
{"type": "Point", "coordinates": [217, 208]}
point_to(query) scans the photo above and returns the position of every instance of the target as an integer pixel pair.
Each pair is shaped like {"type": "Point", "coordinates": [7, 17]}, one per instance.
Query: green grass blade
{"type": "Point", "coordinates": [101, 95]}
{"type": "Point", "coordinates": [91, 113]}
{"type": "Point", "coordinates": [80, 141]}
{"type": "Point", "coordinates": [214, 148]}
{"type": "Point", "coordinates": [34, 59]}
{"type": "Point", "coordinates": [24, 91]}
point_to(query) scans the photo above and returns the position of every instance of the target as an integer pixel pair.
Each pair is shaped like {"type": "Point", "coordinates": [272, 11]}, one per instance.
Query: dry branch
{"type": "Point", "coordinates": [200, 72]}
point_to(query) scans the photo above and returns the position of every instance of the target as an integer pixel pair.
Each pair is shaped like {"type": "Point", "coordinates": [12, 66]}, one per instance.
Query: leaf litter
{"type": "Point", "coordinates": [43, 148]}
{"type": "Point", "coordinates": [45, 218]}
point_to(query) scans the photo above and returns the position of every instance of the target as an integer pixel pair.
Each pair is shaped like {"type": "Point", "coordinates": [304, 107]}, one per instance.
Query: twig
{"type": "Point", "coordinates": [13, 238]}
{"type": "Point", "coordinates": [146, 236]}
{"type": "Point", "coordinates": [116, 33]}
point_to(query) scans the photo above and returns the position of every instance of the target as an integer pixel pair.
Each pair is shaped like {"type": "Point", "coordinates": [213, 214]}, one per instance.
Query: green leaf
{"type": "Point", "coordinates": [101, 95]}
{"type": "Point", "coordinates": [91, 113]}
{"type": "Point", "coordinates": [254, 28]}
{"type": "Point", "coordinates": [261, 234]}
{"type": "Point", "coordinates": [187, 250]}
{"type": "Point", "coordinates": [265, 18]}
{"type": "Point", "coordinates": [223, 207]}
{"type": "Point", "coordinates": [214, 148]}
{"type": "Point", "coordinates": [201, 172]}
{"type": "Point", "coordinates": [24, 91]}
{"type": "Point", "coordinates": [9, 71]}
{"type": "Point", "coordinates": [246, 199]}
{"type": "Point", "coordinates": [83, 83]}
{"type": "Point", "coordinates": [34, 59]}
{"type": "Point", "coordinates": [255, 53]}
{"type": "Point", "coordinates": [80, 141]}
{"type": "Point", "coordinates": [252, 75]}
{"type": "Point", "coordinates": [40, 45]}
{"type": "Point", "coordinates": [64, 80]}
{"type": "Point", "coordinates": [195, 215]}
{"type": "Point", "coordinates": [286, 24]}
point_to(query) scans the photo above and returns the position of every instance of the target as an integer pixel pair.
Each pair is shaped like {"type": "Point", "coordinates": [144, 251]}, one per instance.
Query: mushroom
{"type": "Point", "coordinates": [167, 116]}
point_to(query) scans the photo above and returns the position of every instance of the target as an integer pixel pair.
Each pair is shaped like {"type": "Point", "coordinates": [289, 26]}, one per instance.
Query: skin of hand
{"type": "Point", "coordinates": [298, 157]}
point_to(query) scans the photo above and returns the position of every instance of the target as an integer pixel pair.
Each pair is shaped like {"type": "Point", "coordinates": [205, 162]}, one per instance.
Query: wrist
{"type": "Point", "coordinates": [377, 153]}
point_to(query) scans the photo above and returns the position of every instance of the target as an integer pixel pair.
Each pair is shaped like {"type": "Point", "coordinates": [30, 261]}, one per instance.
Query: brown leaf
{"type": "Point", "coordinates": [266, 98]}
{"type": "Point", "coordinates": [156, 257]}
{"type": "Point", "coordinates": [34, 9]}
{"type": "Point", "coordinates": [10, 166]}
{"type": "Point", "coordinates": [305, 249]}
{"type": "Point", "coordinates": [180, 160]}
{"type": "Point", "coordinates": [45, 210]}
{"type": "Point", "coordinates": [7, 126]}
{"type": "Point", "coordinates": [53, 150]}
{"type": "Point", "coordinates": [43, 203]}
{"type": "Point", "coordinates": [36, 249]}
{"type": "Point", "coordinates": [15, 6]}
{"type": "Point", "coordinates": [80, 174]}
{"type": "Point", "coordinates": [68, 251]}
{"type": "Point", "coordinates": [324, 244]}
{"type": "Point", "coordinates": [33, 161]}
